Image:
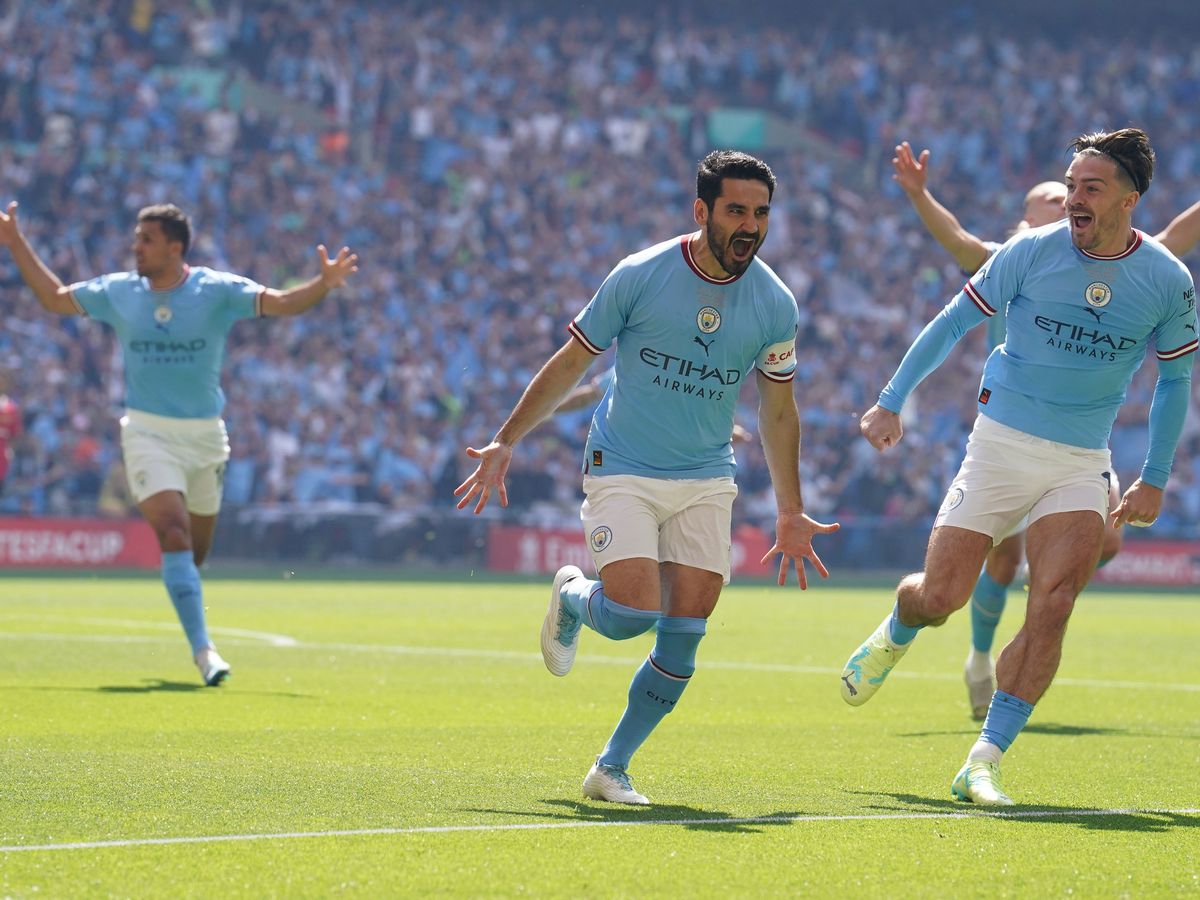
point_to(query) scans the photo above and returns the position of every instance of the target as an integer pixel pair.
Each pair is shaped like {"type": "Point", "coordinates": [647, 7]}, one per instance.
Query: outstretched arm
{"type": "Point", "coordinates": [1183, 233]}
{"type": "Point", "coordinates": [51, 293]}
{"type": "Point", "coordinates": [541, 398]}
{"type": "Point", "coordinates": [779, 426]}
{"type": "Point", "coordinates": [302, 297]}
{"type": "Point", "coordinates": [911, 174]}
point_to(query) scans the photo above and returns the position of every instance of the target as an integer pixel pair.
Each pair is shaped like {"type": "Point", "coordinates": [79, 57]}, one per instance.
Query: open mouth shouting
{"type": "Point", "coordinates": [742, 247]}
{"type": "Point", "coordinates": [1080, 222]}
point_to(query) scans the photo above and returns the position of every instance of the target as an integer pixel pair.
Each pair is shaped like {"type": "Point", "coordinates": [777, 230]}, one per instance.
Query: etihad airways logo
{"type": "Point", "coordinates": [1083, 340]}
{"type": "Point", "coordinates": [193, 346]}
{"type": "Point", "coordinates": [686, 368]}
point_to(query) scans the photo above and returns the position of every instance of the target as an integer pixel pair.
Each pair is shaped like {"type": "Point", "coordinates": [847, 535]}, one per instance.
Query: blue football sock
{"type": "Point", "coordinates": [1006, 717]}
{"type": "Point", "coordinates": [586, 600]}
{"type": "Point", "coordinates": [987, 603]}
{"type": "Point", "coordinates": [656, 687]}
{"type": "Point", "coordinates": [182, 578]}
{"type": "Point", "coordinates": [898, 631]}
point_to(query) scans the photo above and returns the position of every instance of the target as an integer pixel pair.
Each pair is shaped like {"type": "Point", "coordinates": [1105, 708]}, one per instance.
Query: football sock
{"type": "Point", "coordinates": [1006, 717]}
{"type": "Point", "coordinates": [656, 686]}
{"type": "Point", "coordinates": [586, 600]}
{"type": "Point", "coordinates": [182, 578]}
{"type": "Point", "coordinates": [898, 631]}
{"type": "Point", "coordinates": [987, 603]}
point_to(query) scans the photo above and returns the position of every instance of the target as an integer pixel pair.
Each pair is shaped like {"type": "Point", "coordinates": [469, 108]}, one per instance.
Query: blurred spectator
{"type": "Point", "coordinates": [488, 162]}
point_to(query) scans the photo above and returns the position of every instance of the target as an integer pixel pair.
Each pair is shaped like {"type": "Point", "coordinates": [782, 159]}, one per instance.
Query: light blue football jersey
{"type": "Point", "coordinates": [1078, 327]}
{"type": "Point", "coordinates": [173, 341]}
{"type": "Point", "coordinates": [685, 344]}
{"type": "Point", "coordinates": [996, 324]}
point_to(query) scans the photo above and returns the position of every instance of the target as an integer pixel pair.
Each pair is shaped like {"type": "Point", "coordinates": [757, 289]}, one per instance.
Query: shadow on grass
{"type": "Point", "coordinates": [160, 685]}
{"type": "Point", "coordinates": [690, 817]}
{"type": "Point", "coordinates": [1050, 728]}
{"type": "Point", "coordinates": [1086, 817]}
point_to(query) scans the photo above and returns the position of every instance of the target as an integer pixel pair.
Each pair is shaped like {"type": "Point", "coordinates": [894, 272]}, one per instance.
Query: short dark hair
{"type": "Point", "coordinates": [1129, 148]}
{"type": "Point", "coordinates": [722, 164]}
{"type": "Point", "coordinates": [174, 222]}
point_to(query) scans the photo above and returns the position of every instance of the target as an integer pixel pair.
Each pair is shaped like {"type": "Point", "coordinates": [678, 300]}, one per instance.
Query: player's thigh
{"type": "Point", "coordinates": [167, 514]}
{"type": "Point", "coordinates": [690, 591]}
{"type": "Point", "coordinates": [953, 560]}
{"type": "Point", "coordinates": [697, 535]}
{"type": "Point", "coordinates": [1005, 558]}
{"type": "Point", "coordinates": [633, 582]}
{"type": "Point", "coordinates": [1062, 549]}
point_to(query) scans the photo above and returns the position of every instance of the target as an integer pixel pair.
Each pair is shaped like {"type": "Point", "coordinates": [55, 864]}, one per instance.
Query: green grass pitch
{"type": "Point", "coordinates": [402, 738]}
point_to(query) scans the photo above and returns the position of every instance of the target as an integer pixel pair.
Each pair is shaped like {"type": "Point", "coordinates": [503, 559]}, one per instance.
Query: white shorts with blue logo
{"type": "Point", "coordinates": [678, 520]}
{"type": "Point", "coordinates": [1010, 479]}
{"type": "Point", "coordinates": [168, 454]}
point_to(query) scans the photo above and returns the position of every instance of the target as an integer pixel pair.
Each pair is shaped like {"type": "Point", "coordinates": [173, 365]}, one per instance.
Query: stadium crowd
{"type": "Point", "coordinates": [489, 164]}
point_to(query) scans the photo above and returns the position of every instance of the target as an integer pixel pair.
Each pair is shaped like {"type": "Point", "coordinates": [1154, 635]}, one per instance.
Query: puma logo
{"type": "Point", "coordinates": [1191, 326]}
{"type": "Point", "coordinates": [704, 345]}
{"type": "Point", "coordinates": [1095, 312]}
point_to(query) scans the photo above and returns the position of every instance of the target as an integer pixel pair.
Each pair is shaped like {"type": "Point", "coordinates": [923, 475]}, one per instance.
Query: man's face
{"type": "Point", "coordinates": [1099, 202]}
{"type": "Point", "coordinates": [1045, 205]}
{"type": "Point", "coordinates": [737, 225]}
{"type": "Point", "coordinates": [152, 252]}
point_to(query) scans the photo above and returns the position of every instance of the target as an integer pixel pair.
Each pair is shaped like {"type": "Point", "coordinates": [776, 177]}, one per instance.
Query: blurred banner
{"type": "Point", "coordinates": [1154, 563]}
{"type": "Point", "coordinates": [515, 548]}
{"type": "Point", "coordinates": [77, 543]}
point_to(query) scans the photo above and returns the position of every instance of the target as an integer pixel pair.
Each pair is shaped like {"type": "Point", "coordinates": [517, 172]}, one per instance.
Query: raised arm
{"type": "Point", "coordinates": [51, 293]}
{"type": "Point", "coordinates": [1183, 233]}
{"type": "Point", "coordinates": [302, 297]}
{"type": "Point", "coordinates": [912, 174]}
{"type": "Point", "coordinates": [543, 396]}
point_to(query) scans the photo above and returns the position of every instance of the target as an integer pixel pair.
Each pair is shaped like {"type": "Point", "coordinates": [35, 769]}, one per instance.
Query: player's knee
{"type": "Point", "coordinates": [1051, 609]}
{"type": "Point", "coordinates": [173, 536]}
{"type": "Point", "coordinates": [932, 599]}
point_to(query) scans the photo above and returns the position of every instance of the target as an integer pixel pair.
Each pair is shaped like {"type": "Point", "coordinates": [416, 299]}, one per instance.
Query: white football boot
{"type": "Point", "coordinates": [212, 668]}
{"type": "Point", "coordinates": [611, 783]}
{"type": "Point", "coordinates": [560, 629]}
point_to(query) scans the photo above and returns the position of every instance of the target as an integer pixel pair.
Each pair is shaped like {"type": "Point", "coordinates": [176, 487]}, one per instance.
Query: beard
{"type": "Point", "coordinates": [722, 251]}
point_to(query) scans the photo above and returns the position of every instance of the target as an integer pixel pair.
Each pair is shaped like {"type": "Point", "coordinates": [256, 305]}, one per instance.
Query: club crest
{"type": "Point", "coordinates": [708, 320]}
{"type": "Point", "coordinates": [162, 314]}
{"type": "Point", "coordinates": [600, 538]}
{"type": "Point", "coordinates": [1097, 294]}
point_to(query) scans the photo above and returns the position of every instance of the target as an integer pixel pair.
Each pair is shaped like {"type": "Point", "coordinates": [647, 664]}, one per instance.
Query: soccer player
{"type": "Point", "coordinates": [1043, 205]}
{"type": "Point", "coordinates": [1085, 299]}
{"type": "Point", "coordinates": [172, 320]}
{"type": "Point", "coordinates": [692, 317]}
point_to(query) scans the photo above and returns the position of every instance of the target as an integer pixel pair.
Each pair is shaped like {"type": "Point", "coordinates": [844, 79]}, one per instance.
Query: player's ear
{"type": "Point", "coordinates": [700, 212]}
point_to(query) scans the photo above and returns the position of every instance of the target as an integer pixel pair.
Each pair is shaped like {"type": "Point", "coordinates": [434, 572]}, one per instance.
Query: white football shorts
{"type": "Point", "coordinates": [1010, 479]}
{"type": "Point", "coordinates": [679, 520]}
{"type": "Point", "coordinates": [168, 454]}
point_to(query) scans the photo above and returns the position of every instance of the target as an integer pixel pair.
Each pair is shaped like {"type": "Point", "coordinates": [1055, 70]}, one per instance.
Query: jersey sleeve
{"type": "Point", "coordinates": [91, 298]}
{"type": "Point", "coordinates": [1176, 340]}
{"type": "Point", "coordinates": [599, 323]}
{"type": "Point", "coordinates": [243, 296]}
{"type": "Point", "coordinates": [777, 361]}
{"type": "Point", "coordinates": [1176, 334]}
